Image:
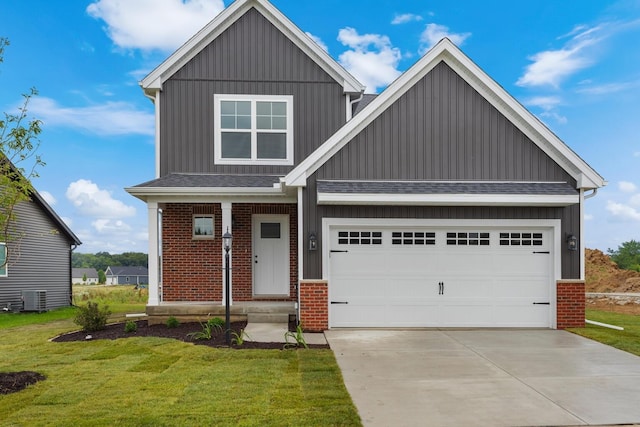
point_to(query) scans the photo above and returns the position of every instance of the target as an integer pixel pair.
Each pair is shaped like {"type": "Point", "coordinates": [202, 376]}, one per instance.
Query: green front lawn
{"type": "Point", "coordinates": [627, 340]}
{"type": "Point", "coordinates": [163, 382]}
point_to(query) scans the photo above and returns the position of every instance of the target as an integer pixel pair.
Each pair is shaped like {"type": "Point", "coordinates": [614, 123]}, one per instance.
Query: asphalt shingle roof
{"type": "Point", "coordinates": [180, 180]}
{"type": "Point", "coordinates": [446, 187]}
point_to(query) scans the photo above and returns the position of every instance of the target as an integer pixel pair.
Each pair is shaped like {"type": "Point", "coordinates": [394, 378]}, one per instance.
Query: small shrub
{"type": "Point", "coordinates": [297, 336]}
{"type": "Point", "coordinates": [207, 330]}
{"type": "Point", "coordinates": [91, 317]}
{"type": "Point", "coordinates": [215, 322]}
{"type": "Point", "coordinates": [238, 338]}
{"type": "Point", "coordinates": [130, 326]}
{"type": "Point", "coordinates": [172, 322]}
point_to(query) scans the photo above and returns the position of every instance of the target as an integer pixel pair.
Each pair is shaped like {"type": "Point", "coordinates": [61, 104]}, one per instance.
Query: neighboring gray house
{"type": "Point", "coordinates": [39, 266]}
{"type": "Point", "coordinates": [78, 275]}
{"type": "Point", "coordinates": [127, 275]}
{"type": "Point", "coordinates": [441, 202]}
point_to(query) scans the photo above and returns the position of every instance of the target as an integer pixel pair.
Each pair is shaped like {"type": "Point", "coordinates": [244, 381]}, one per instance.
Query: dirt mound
{"type": "Point", "coordinates": [603, 275]}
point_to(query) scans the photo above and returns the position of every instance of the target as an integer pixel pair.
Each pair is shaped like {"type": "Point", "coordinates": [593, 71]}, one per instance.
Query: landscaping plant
{"type": "Point", "coordinates": [91, 317]}
{"type": "Point", "coordinates": [130, 326]}
{"type": "Point", "coordinates": [172, 322]}
{"type": "Point", "coordinates": [297, 336]}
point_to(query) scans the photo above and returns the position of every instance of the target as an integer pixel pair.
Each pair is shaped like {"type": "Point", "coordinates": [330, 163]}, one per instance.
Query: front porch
{"type": "Point", "coordinates": [256, 311]}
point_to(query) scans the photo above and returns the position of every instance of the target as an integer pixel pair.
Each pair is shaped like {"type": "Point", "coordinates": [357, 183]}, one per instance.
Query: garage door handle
{"type": "Point", "coordinates": [441, 288]}
{"type": "Point", "coordinates": [541, 303]}
{"type": "Point", "coordinates": [339, 302]}
{"type": "Point", "coordinates": [541, 252]}
{"type": "Point", "coordinates": [336, 250]}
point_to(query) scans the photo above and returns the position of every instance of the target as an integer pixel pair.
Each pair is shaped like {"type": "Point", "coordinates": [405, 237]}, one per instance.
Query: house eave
{"type": "Point", "coordinates": [447, 199]}
{"type": "Point", "coordinates": [190, 194]}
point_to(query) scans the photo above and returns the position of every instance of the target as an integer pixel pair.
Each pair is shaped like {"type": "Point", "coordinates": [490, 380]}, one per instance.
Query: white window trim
{"type": "Point", "coordinates": [218, 98]}
{"type": "Point", "coordinates": [3, 247]}
{"type": "Point", "coordinates": [205, 236]}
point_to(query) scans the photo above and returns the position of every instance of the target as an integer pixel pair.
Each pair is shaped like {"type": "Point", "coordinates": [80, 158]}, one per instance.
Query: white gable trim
{"type": "Point", "coordinates": [224, 20]}
{"type": "Point", "coordinates": [446, 51]}
{"type": "Point", "coordinates": [447, 199]}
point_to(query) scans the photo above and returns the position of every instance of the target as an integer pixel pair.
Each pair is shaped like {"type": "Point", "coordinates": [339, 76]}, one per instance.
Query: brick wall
{"type": "Point", "coordinates": [571, 303]}
{"type": "Point", "coordinates": [192, 269]}
{"type": "Point", "coordinates": [314, 305]}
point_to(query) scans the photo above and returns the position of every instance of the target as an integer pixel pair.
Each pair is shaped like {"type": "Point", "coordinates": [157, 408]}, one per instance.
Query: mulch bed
{"type": "Point", "coordinates": [116, 331]}
{"type": "Point", "coordinates": [11, 382]}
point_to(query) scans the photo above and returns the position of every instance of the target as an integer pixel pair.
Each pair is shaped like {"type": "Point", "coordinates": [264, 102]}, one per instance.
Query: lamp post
{"type": "Point", "coordinates": [226, 238]}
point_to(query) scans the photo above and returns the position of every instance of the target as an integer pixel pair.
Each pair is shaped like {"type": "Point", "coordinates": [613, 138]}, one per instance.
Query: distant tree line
{"type": "Point", "coordinates": [101, 260]}
{"type": "Point", "coordinates": [627, 256]}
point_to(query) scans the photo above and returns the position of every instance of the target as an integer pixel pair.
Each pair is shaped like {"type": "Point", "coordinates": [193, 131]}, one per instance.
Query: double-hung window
{"type": "Point", "coordinates": [253, 129]}
{"type": "Point", "coordinates": [3, 260]}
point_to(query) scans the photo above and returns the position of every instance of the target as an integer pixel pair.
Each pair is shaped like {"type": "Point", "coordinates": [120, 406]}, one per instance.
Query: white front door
{"type": "Point", "coordinates": [271, 255]}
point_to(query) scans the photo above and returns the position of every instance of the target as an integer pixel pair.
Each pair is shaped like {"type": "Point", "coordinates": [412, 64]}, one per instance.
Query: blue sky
{"type": "Point", "coordinates": [574, 64]}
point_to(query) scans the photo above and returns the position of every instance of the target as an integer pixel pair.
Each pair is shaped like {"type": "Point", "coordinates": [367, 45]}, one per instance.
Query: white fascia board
{"type": "Point", "coordinates": [446, 51]}
{"type": "Point", "coordinates": [229, 16]}
{"type": "Point", "coordinates": [170, 193]}
{"type": "Point", "coordinates": [446, 199]}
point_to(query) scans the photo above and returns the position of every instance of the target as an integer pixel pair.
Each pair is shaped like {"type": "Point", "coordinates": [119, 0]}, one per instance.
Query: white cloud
{"type": "Point", "coordinates": [623, 212]}
{"type": "Point", "coordinates": [635, 200]}
{"type": "Point", "coordinates": [555, 116]}
{"type": "Point", "coordinates": [153, 24]}
{"type": "Point", "coordinates": [109, 226]}
{"type": "Point", "coordinates": [48, 197]}
{"type": "Point", "coordinates": [544, 102]}
{"type": "Point", "coordinates": [607, 88]}
{"type": "Point", "coordinates": [405, 17]}
{"type": "Point", "coordinates": [588, 217]}
{"type": "Point", "coordinates": [92, 201]}
{"type": "Point", "coordinates": [110, 118]}
{"type": "Point", "coordinates": [372, 59]}
{"type": "Point", "coordinates": [433, 33]}
{"type": "Point", "coordinates": [627, 187]}
{"type": "Point", "coordinates": [550, 67]}
{"type": "Point", "coordinates": [318, 41]}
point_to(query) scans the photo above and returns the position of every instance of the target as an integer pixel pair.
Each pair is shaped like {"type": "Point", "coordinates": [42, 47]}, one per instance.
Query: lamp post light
{"type": "Point", "coordinates": [226, 238]}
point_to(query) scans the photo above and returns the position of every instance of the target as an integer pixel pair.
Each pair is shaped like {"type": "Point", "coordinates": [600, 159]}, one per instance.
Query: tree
{"type": "Point", "coordinates": [102, 278]}
{"type": "Point", "coordinates": [627, 256]}
{"type": "Point", "coordinates": [19, 160]}
{"type": "Point", "coordinates": [84, 277]}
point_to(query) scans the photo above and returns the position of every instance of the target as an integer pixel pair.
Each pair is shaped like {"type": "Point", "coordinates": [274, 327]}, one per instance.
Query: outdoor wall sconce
{"type": "Point", "coordinates": [572, 242]}
{"type": "Point", "coordinates": [313, 242]}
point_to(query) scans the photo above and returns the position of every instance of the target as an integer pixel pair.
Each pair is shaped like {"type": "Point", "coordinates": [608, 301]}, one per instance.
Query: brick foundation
{"type": "Point", "coordinates": [192, 268]}
{"type": "Point", "coordinates": [314, 305]}
{"type": "Point", "coordinates": [571, 303]}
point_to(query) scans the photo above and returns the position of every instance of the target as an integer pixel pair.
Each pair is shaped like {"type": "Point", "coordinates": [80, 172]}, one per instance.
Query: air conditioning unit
{"type": "Point", "coordinates": [34, 301]}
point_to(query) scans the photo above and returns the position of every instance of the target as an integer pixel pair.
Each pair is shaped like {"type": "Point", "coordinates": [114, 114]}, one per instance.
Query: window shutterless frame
{"type": "Point", "coordinates": [253, 129]}
{"type": "Point", "coordinates": [203, 226]}
{"type": "Point", "coordinates": [4, 271]}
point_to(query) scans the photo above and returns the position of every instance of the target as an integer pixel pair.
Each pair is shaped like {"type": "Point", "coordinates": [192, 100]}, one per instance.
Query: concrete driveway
{"type": "Point", "coordinates": [486, 378]}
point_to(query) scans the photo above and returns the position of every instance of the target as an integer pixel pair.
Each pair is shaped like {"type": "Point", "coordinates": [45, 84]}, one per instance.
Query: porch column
{"type": "Point", "coordinates": [226, 225]}
{"type": "Point", "coordinates": [154, 242]}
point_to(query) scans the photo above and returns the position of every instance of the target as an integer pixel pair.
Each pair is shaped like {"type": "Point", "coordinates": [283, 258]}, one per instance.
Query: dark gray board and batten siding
{"type": "Point", "coordinates": [40, 260]}
{"type": "Point", "coordinates": [259, 60]}
{"type": "Point", "coordinates": [441, 129]}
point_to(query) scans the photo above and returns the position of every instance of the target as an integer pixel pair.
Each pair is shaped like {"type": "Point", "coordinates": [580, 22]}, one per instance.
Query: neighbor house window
{"type": "Point", "coordinates": [3, 260]}
{"type": "Point", "coordinates": [203, 226]}
{"type": "Point", "coordinates": [253, 129]}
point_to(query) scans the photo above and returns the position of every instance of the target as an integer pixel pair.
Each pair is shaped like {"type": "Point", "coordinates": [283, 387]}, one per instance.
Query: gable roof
{"type": "Point", "coordinates": [446, 51]}
{"type": "Point", "coordinates": [79, 272]}
{"type": "Point", "coordinates": [126, 271]}
{"type": "Point", "coordinates": [228, 17]}
{"type": "Point", "coordinates": [48, 210]}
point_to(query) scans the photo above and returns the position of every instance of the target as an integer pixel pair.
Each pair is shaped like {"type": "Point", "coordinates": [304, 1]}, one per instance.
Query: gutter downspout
{"type": "Point", "coordinates": [593, 193]}
{"type": "Point", "coordinates": [73, 248]}
{"type": "Point", "coordinates": [350, 104]}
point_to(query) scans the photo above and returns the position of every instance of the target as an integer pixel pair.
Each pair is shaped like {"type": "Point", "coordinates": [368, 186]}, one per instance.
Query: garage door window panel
{"type": "Point", "coordinates": [409, 238]}
{"type": "Point", "coordinates": [468, 239]}
{"type": "Point", "coordinates": [360, 238]}
{"type": "Point", "coordinates": [521, 239]}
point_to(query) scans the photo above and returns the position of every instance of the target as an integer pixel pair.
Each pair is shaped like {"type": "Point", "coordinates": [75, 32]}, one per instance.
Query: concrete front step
{"type": "Point", "coordinates": [268, 318]}
{"type": "Point", "coordinates": [200, 311]}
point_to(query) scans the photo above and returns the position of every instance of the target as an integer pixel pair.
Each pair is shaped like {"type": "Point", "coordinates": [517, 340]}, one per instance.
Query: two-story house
{"type": "Point", "coordinates": [440, 202]}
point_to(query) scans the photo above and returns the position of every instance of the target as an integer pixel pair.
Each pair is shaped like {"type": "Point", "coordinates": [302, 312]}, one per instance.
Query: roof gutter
{"type": "Point", "coordinates": [593, 193]}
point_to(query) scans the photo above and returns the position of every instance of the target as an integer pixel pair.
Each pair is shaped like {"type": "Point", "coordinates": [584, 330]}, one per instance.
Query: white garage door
{"type": "Point", "coordinates": [432, 277]}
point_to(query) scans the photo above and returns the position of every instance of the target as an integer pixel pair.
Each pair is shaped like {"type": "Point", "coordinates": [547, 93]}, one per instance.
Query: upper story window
{"type": "Point", "coordinates": [253, 129]}
{"type": "Point", "coordinates": [3, 260]}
